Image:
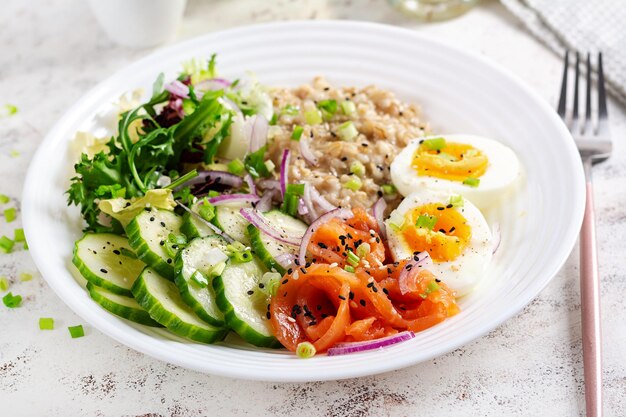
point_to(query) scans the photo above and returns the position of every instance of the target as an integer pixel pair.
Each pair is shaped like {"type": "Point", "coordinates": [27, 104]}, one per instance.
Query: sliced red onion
{"type": "Point", "coordinates": [265, 203]}
{"type": "Point", "coordinates": [345, 348]}
{"type": "Point", "coordinates": [268, 184]}
{"type": "Point", "coordinates": [284, 172]}
{"type": "Point", "coordinates": [307, 200]}
{"type": "Point", "coordinates": [256, 128]}
{"type": "Point", "coordinates": [177, 106]}
{"type": "Point", "coordinates": [285, 259]}
{"type": "Point", "coordinates": [178, 89]}
{"type": "Point", "coordinates": [208, 224]}
{"type": "Point", "coordinates": [419, 260]}
{"type": "Point", "coordinates": [306, 151]}
{"type": "Point", "coordinates": [214, 177]}
{"type": "Point", "coordinates": [317, 198]}
{"type": "Point", "coordinates": [497, 237]}
{"type": "Point", "coordinates": [378, 211]}
{"type": "Point", "coordinates": [248, 179]}
{"type": "Point", "coordinates": [302, 208]}
{"type": "Point", "coordinates": [234, 198]}
{"type": "Point", "coordinates": [211, 85]}
{"type": "Point", "coordinates": [344, 213]}
{"type": "Point", "coordinates": [257, 219]}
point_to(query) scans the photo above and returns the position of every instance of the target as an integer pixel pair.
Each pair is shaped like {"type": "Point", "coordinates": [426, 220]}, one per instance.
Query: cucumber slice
{"type": "Point", "coordinates": [147, 234]}
{"type": "Point", "coordinates": [121, 305]}
{"type": "Point", "coordinates": [202, 254]}
{"type": "Point", "coordinates": [245, 312]}
{"type": "Point", "coordinates": [192, 227]}
{"type": "Point", "coordinates": [162, 300]}
{"type": "Point", "coordinates": [266, 248]}
{"type": "Point", "coordinates": [102, 259]}
{"type": "Point", "coordinates": [229, 220]}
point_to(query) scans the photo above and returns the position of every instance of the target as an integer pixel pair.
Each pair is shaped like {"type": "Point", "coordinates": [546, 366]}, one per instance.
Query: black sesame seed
{"type": "Point", "coordinates": [344, 159]}
{"type": "Point", "coordinates": [163, 224]}
{"type": "Point", "coordinates": [437, 280]}
{"type": "Point", "coordinates": [362, 302]}
{"type": "Point", "coordinates": [162, 243]}
{"type": "Point", "coordinates": [351, 295]}
{"type": "Point", "coordinates": [286, 280]}
{"type": "Point", "coordinates": [452, 229]}
{"type": "Point", "coordinates": [152, 218]}
{"type": "Point", "coordinates": [268, 315]}
{"type": "Point", "coordinates": [322, 245]}
{"type": "Point", "coordinates": [289, 271]}
{"type": "Point", "coordinates": [250, 292]}
{"type": "Point", "coordinates": [370, 285]}
{"type": "Point", "coordinates": [169, 260]}
{"type": "Point", "coordinates": [386, 291]}
{"type": "Point", "coordinates": [441, 208]}
{"type": "Point", "coordinates": [104, 271]}
{"type": "Point", "coordinates": [148, 209]}
{"type": "Point", "coordinates": [442, 230]}
{"type": "Point", "coordinates": [374, 289]}
{"type": "Point", "coordinates": [449, 206]}
{"type": "Point", "coordinates": [341, 297]}
{"type": "Point", "coordinates": [261, 285]}
{"type": "Point", "coordinates": [117, 252]}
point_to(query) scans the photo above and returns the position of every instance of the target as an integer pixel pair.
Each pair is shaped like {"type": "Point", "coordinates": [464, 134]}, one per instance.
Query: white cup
{"type": "Point", "coordinates": [139, 23]}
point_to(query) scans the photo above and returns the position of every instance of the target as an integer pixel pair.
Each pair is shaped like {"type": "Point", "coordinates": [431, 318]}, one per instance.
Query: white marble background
{"type": "Point", "coordinates": [52, 51]}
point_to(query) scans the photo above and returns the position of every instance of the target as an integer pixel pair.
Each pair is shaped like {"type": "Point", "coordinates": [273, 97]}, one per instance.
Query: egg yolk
{"type": "Point", "coordinates": [446, 240]}
{"type": "Point", "coordinates": [453, 161]}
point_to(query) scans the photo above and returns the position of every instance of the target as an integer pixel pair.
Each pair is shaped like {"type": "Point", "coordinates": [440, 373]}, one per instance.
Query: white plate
{"type": "Point", "coordinates": [459, 92]}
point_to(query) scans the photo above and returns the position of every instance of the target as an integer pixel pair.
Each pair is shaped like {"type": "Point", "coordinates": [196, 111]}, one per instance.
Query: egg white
{"type": "Point", "coordinates": [462, 273]}
{"type": "Point", "coordinates": [501, 175]}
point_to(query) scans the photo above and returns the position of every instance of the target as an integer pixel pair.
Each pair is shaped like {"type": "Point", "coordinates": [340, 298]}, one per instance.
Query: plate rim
{"type": "Point", "coordinates": [136, 343]}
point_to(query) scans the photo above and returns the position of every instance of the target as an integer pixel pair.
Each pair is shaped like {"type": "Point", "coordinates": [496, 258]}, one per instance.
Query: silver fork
{"type": "Point", "coordinates": [594, 143]}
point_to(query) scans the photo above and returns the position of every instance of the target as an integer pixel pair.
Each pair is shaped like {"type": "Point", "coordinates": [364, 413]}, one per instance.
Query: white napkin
{"type": "Point", "coordinates": [583, 26]}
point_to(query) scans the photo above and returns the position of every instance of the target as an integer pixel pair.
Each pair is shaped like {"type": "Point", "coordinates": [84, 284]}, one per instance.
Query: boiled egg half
{"type": "Point", "coordinates": [478, 168]}
{"type": "Point", "coordinates": [450, 228]}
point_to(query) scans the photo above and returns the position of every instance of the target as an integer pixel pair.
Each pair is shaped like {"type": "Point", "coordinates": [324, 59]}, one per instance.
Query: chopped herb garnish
{"type": "Point", "coordinates": [305, 350]}
{"type": "Point", "coordinates": [328, 108]}
{"type": "Point", "coordinates": [427, 222]}
{"type": "Point", "coordinates": [4, 284]}
{"type": "Point", "coordinates": [6, 244]}
{"type": "Point", "coordinates": [349, 268]}
{"type": "Point", "coordinates": [236, 167]}
{"type": "Point", "coordinates": [46, 323]}
{"type": "Point", "coordinates": [435, 144]}
{"type": "Point", "coordinates": [352, 258]}
{"type": "Point", "coordinates": [255, 163]}
{"type": "Point", "coordinates": [472, 182]}
{"type": "Point", "coordinates": [456, 201]}
{"type": "Point", "coordinates": [357, 168]}
{"type": "Point", "coordinates": [348, 107]}
{"type": "Point", "coordinates": [76, 331]}
{"type": "Point", "coordinates": [4, 199]}
{"type": "Point", "coordinates": [388, 189]}
{"type": "Point", "coordinates": [297, 133]}
{"type": "Point", "coordinates": [18, 235]}
{"type": "Point", "coordinates": [354, 183]}
{"type": "Point", "coordinates": [25, 276]}
{"type": "Point", "coordinates": [199, 279]}
{"type": "Point", "coordinates": [313, 117]}
{"type": "Point", "coordinates": [8, 110]}
{"type": "Point", "coordinates": [347, 131]}
{"type": "Point", "coordinates": [10, 214]}
{"type": "Point", "coordinates": [206, 210]}
{"type": "Point", "coordinates": [12, 301]}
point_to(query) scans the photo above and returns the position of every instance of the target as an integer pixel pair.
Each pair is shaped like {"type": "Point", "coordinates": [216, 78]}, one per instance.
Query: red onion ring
{"type": "Point", "coordinates": [378, 211]}
{"type": "Point", "coordinates": [345, 348]}
{"type": "Point", "coordinates": [412, 267]}
{"type": "Point", "coordinates": [316, 197]}
{"type": "Point", "coordinates": [497, 237]}
{"type": "Point", "coordinates": [284, 165]}
{"type": "Point", "coordinates": [257, 219]}
{"type": "Point", "coordinates": [248, 179]}
{"type": "Point", "coordinates": [267, 184]}
{"type": "Point", "coordinates": [306, 198]}
{"type": "Point", "coordinates": [211, 85]}
{"type": "Point", "coordinates": [285, 259]}
{"type": "Point", "coordinates": [344, 213]}
{"type": "Point", "coordinates": [234, 198]}
{"type": "Point", "coordinates": [178, 89]}
{"type": "Point", "coordinates": [306, 151]}
{"type": "Point", "coordinates": [265, 203]}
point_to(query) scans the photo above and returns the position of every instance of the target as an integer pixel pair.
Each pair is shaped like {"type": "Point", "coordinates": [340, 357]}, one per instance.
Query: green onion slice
{"type": "Point", "coordinates": [425, 221]}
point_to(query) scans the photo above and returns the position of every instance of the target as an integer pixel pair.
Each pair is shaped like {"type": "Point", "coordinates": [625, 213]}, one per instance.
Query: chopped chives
{"type": "Point", "coordinates": [10, 214]}
{"type": "Point", "coordinates": [297, 133]}
{"type": "Point", "coordinates": [25, 276]}
{"type": "Point", "coordinates": [432, 286]}
{"type": "Point", "coordinates": [349, 268]}
{"type": "Point", "coordinates": [348, 107]}
{"type": "Point", "coordinates": [199, 279]}
{"type": "Point", "coordinates": [12, 301]}
{"type": "Point", "coordinates": [472, 182]}
{"type": "Point", "coordinates": [305, 350]}
{"type": "Point", "coordinates": [4, 199]}
{"type": "Point", "coordinates": [4, 284]}
{"type": "Point", "coordinates": [328, 108]}
{"type": "Point", "coordinates": [353, 184]}
{"type": "Point", "coordinates": [76, 331]}
{"type": "Point", "coordinates": [206, 211]}
{"type": "Point", "coordinates": [313, 117]}
{"type": "Point", "coordinates": [352, 258]}
{"type": "Point", "coordinates": [8, 110]}
{"type": "Point", "coordinates": [357, 168]}
{"type": "Point", "coordinates": [290, 110]}
{"type": "Point", "coordinates": [425, 221]}
{"type": "Point", "coordinates": [295, 189]}
{"type": "Point", "coordinates": [363, 250]}
{"type": "Point", "coordinates": [236, 167]}
{"type": "Point", "coordinates": [18, 235]}
{"type": "Point", "coordinates": [456, 201]}
{"type": "Point", "coordinates": [14, 153]}
{"type": "Point", "coordinates": [46, 323]}
{"type": "Point", "coordinates": [388, 189]}
{"type": "Point", "coordinates": [347, 131]}
{"type": "Point", "coordinates": [6, 244]}
{"type": "Point", "coordinates": [447, 157]}
{"type": "Point", "coordinates": [435, 144]}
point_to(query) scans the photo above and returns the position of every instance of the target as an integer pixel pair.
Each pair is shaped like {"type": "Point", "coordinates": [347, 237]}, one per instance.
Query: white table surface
{"type": "Point", "coordinates": [52, 51]}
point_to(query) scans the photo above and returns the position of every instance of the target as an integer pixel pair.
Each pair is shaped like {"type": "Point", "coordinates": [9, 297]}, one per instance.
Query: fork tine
{"type": "Point", "coordinates": [587, 123]}
{"type": "Point", "coordinates": [575, 112]}
{"type": "Point", "coordinates": [602, 111]}
{"type": "Point", "coordinates": [563, 98]}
